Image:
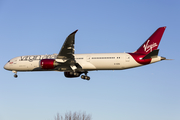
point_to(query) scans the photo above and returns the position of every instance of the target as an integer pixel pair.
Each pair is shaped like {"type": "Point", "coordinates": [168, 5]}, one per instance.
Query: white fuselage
{"type": "Point", "coordinates": [73, 65]}
{"type": "Point", "coordinates": [89, 62]}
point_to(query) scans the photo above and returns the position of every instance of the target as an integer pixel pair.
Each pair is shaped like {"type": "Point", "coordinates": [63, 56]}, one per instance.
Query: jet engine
{"type": "Point", "coordinates": [72, 74]}
{"type": "Point", "coordinates": [48, 63]}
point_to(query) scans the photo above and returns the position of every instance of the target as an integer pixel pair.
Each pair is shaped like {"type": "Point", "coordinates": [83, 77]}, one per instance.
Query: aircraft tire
{"type": "Point", "coordinates": [88, 78]}
{"type": "Point", "coordinates": [15, 75]}
{"type": "Point", "coordinates": [82, 76]}
{"type": "Point", "coordinates": [76, 74]}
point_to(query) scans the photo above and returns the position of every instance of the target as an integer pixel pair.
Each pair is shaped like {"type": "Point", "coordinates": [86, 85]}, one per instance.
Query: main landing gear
{"type": "Point", "coordinates": [85, 76]}
{"type": "Point", "coordinates": [75, 74]}
{"type": "Point", "coordinates": [15, 74]}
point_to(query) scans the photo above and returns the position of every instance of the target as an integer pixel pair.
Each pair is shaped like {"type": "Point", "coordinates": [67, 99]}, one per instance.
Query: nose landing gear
{"type": "Point", "coordinates": [15, 74]}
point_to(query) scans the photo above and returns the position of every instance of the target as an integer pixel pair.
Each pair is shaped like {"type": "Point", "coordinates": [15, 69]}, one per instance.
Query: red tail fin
{"type": "Point", "coordinates": [152, 42]}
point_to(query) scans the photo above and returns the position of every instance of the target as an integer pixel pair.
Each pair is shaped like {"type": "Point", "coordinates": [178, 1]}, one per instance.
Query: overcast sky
{"type": "Point", "coordinates": [35, 27]}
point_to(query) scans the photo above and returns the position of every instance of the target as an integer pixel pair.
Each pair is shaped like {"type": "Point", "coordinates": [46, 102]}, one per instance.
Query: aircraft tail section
{"type": "Point", "coordinates": [152, 54]}
{"type": "Point", "coordinates": [152, 42]}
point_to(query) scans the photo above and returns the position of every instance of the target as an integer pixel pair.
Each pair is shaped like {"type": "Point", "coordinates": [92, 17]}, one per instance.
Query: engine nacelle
{"type": "Point", "coordinates": [48, 63]}
{"type": "Point", "coordinates": [72, 74]}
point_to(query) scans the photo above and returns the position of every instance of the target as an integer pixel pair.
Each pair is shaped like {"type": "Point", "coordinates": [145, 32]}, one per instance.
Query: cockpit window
{"type": "Point", "coordinates": [9, 61]}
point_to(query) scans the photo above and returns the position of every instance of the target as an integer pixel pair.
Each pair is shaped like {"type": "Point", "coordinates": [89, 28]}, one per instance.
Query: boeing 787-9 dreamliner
{"type": "Point", "coordinates": [73, 65]}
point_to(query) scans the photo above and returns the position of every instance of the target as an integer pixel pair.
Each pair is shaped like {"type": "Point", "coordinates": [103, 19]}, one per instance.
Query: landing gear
{"type": "Point", "coordinates": [77, 74]}
{"type": "Point", "coordinates": [15, 75]}
{"type": "Point", "coordinates": [85, 76]}
{"type": "Point", "coordinates": [74, 73]}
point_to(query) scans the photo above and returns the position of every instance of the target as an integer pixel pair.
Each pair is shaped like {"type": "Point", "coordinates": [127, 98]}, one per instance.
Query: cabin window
{"type": "Point", "coordinates": [78, 58]}
{"type": "Point", "coordinates": [103, 57]}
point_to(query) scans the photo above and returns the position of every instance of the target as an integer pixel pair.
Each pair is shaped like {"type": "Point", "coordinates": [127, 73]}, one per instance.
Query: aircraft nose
{"type": "Point", "coordinates": [6, 66]}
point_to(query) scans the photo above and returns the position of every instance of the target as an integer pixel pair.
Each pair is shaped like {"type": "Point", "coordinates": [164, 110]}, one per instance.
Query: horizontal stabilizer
{"type": "Point", "coordinates": [152, 54]}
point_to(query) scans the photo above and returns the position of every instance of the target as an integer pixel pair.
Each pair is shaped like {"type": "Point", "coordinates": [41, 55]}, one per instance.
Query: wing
{"type": "Point", "coordinates": [67, 49]}
{"type": "Point", "coordinates": [65, 56]}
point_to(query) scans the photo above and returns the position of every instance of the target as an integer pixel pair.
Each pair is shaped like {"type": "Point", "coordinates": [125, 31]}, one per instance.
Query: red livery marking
{"type": "Point", "coordinates": [47, 63]}
{"type": "Point", "coordinates": [138, 58]}
{"type": "Point", "coordinates": [152, 42]}
{"type": "Point", "coordinates": [11, 63]}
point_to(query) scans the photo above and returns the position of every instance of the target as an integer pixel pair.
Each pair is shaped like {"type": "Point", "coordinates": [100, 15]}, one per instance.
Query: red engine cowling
{"type": "Point", "coordinates": [47, 63]}
{"type": "Point", "coordinates": [71, 74]}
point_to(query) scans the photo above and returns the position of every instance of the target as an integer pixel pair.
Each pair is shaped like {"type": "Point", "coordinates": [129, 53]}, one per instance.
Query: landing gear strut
{"type": "Point", "coordinates": [85, 76]}
{"type": "Point", "coordinates": [15, 74]}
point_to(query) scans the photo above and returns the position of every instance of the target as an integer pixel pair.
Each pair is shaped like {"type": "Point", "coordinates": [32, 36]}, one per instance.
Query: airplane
{"type": "Point", "coordinates": [73, 65]}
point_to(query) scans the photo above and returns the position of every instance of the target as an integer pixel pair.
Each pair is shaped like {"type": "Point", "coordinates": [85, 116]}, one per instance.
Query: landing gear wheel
{"type": "Point", "coordinates": [76, 74]}
{"type": "Point", "coordinates": [85, 77]}
{"type": "Point", "coordinates": [82, 76]}
{"type": "Point", "coordinates": [15, 75]}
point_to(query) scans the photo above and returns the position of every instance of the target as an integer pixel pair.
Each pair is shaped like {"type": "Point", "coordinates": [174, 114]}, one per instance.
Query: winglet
{"type": "Point", "coordinates": [74, 32]}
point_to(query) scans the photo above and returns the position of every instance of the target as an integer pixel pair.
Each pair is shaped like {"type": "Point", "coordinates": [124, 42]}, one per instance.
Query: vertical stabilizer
{"type": "Point", "coordinates": [152, 42]}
